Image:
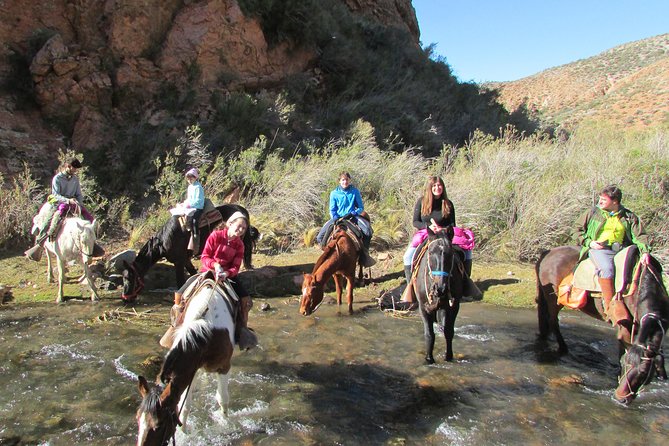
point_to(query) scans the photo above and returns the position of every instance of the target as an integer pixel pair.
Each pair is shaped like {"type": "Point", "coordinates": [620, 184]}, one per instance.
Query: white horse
{"type": "Point", "coordinates": [75, 240]}
{"type": "Point", "coordinates": [204, 341]}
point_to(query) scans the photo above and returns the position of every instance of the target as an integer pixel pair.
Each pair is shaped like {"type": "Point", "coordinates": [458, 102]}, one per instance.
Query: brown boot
{"type": "Point", "coordinates": [244, 337]}
{"type": "Point", "coordinates": [615, 309]}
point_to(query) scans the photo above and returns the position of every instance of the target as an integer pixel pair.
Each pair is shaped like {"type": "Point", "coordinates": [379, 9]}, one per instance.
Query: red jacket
{"type": "Point", "coordinates": [227, 253]}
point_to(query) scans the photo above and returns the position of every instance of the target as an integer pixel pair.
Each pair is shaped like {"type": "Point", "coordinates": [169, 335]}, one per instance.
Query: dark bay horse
{"type": "Point", "coordinates": [171, 243]}
{"type": "Point", "coordinates": [205, 340]}
{"type": "Point", "coordinates": [338, 261]}
{"type": "Point", "coordinates": [641, 356]}
{"type": "Point", "coordinates": [438, 285]}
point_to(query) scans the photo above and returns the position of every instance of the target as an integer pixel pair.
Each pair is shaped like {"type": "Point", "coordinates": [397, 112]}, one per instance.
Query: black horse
{"type": "Point", "coordinates": [439, 284]}
{"type": "Point", "coordinates": [639, 348]}
{"type": "Point", "coordinates": [171, 243]}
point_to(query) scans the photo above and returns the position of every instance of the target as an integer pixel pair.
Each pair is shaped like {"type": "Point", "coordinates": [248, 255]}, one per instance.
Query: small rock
{"type": "Point", "coordinates": [510, 273]}
{"type": "Point", "coordinates": [265, 307]}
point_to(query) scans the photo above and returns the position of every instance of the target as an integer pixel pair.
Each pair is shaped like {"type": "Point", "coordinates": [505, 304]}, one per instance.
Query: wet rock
{"type": "Point", "coordinates": [265, 307]}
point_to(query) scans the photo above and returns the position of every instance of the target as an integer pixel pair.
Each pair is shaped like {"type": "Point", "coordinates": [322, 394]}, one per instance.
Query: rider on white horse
{"type": "Point", "coordinates": [65, 197]}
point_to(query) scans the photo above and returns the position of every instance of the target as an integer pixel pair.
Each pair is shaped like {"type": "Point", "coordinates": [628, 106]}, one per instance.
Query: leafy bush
{"type": "Point", "coordinates": [19, 202]}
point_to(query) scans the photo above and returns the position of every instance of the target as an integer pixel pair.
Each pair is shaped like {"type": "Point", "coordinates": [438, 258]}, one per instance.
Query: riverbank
{"type": "Point", "coordinates": [507, 284]}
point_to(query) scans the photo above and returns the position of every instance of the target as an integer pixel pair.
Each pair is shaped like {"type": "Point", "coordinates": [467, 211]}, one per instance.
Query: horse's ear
{"type": "Point", "coordinates": [142, 386]}
{"type": "Point", "coordinates": [449, 233]}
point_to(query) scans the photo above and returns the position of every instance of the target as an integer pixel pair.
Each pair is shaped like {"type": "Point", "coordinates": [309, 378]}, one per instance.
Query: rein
{"type": "Point", "coordinates": [435, 273]}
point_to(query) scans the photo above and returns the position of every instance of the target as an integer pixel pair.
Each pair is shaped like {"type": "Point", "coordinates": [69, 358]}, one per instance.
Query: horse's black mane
{"type": "Point", "coordinates": [151, 402]}
{"type": "Point", "coordinates": [157, 246]}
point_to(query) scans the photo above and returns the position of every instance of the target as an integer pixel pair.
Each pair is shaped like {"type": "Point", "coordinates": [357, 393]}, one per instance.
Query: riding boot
{"type": "Point", "coordinates": [408, 295]}
{"type": "Point", "coordinates": [468, 267]}
{"type": "Point", "coordinates": [614, 309]}
{"type": "Point", "coordinates": [407, 273]}
{"type": "Point", "coordinates": [244, 337]}
{"type": "Point", "coordinates": [196, 237]}
{"type": "Point", "coordinates": [175, 315]}
{"type": "Point", "coordinates": [35, 253]}
{"type": "Point", "coordinates": [54, 225]}
{"type": "Point", "coordinates": [365, 259]}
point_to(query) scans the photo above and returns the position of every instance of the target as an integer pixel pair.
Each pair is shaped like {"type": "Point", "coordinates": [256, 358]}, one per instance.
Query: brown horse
{"type": "Point", "coordinates": [205, 340]}
{"type": "Point", "coordinates": [640, 356]}
{"type": "Point", "coordinates": [338, 260]}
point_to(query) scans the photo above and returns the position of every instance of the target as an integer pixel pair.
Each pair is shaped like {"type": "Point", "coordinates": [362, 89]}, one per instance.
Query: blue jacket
{"type": "Point", "coordinates": [195, 195]}
{"type": "Point", "coordinates": [345, 201]}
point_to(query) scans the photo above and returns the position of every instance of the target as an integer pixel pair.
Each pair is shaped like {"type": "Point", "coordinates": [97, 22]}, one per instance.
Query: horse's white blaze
{"type": "Point", "coordinates": [143, 424]}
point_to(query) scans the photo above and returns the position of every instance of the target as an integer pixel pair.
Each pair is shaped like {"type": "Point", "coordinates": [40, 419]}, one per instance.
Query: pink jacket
{"type": "Point", "coordinates": [218, 249]}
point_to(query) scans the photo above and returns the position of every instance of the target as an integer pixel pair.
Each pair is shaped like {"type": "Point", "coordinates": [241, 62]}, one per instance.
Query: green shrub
{"type": "Point", "coordinates": [19, 202]}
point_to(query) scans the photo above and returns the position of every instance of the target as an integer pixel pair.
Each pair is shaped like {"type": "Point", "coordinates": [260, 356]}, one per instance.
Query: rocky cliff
{"type": "Point", "coordinates": [72, 71]}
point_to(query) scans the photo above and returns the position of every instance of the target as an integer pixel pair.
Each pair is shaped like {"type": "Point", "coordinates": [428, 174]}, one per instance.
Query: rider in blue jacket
{"type": "Point", "coordinates": [345, 201]}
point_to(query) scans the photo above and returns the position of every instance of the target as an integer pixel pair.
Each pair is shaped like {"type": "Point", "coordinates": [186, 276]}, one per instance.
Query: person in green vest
{"type": "Point", "coordinates": [602, 232]}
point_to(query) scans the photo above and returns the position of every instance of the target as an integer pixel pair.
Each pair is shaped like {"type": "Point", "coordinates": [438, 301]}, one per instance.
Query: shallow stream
{"type": "Point", "coordinates": [69, 378]}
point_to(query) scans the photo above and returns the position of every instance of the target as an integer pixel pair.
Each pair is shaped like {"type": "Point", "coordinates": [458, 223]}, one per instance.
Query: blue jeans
{"type": "Point", "coordinates": [603, 260]}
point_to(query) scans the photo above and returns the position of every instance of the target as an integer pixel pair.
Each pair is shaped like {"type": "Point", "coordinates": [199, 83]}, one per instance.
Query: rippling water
{"type": "Point", "coordinates": [328, 379]}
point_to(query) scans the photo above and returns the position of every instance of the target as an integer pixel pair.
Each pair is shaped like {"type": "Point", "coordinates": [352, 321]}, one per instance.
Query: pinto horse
{"type": "Point", "coordinates": [641, 356]}
{"type": "Point", "coordinates": [438, 285]}
{"type": "Point", "coordinates": [338, 260]}
{"type": "Point", "coordinates": [205, 340]}
{"type": "Point", "coordinates": [171, 243]}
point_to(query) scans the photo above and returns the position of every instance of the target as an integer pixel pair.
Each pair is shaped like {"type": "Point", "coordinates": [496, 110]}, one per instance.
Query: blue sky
{"type": "Point", "coordinates": [496, 40]}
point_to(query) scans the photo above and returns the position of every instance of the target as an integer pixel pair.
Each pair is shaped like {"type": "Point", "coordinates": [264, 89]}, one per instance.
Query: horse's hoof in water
{"type": "Point", "coordinates": [448, 358]}
{"type": "Point", "coordinates": [429, 360]}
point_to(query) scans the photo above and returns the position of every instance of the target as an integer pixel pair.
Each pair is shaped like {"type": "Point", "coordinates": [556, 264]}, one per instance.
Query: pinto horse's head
{"type": "Point", "coordinates": [312, 295]}
{"type": "Point", "coordinates": [132, 282]}
{"type": "Point", "coordinates": [157, 418]}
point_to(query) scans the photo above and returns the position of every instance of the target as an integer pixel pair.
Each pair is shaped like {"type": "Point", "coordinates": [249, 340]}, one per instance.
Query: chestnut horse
{"type": "Point", "coordinates": [641, 356]}
{"type": "Point", "coordinates": [171, 243]}
{"type": "Point", "coordinates": [205, 340]}
{"type": "Point", "coordinates": [338, 260]}
{"type": "Point", "coordinates": [438, 285]}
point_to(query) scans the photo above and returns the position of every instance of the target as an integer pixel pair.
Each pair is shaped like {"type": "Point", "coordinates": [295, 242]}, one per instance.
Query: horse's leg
{"type": "Point", "coordinates": [222, 394]}
{"type": "Point", "coordinates": [428, 331]}
{"type": "Point", "coordinates": [335, 277]}
{"type": "Point", "coordinates": [551, 309]}
{"type": "Point", "coordinates": [350, 280]}
{"type": "Point", "coordinates": [61, 277]}
{"type": "Point", "coordinates": [49, 267]}
{"type": "Point", "coordinates": [542, 314]}
{"type": "Point", "coordinates": [449, 329]}
{"type": "Point", "coordinates": [659, 367]}
{"type": "Point", "coordinates": [190, 268]}
{"type": "Point", "coordinates": [90, 281]}
{"type": "Point", "coordinates": [186, 400]}
{"type": "Point", "coordinates": [179, 271]}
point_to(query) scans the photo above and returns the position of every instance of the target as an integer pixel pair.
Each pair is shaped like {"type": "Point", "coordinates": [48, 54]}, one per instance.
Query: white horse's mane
{"type": "Point", "coordinates": [206, 311]}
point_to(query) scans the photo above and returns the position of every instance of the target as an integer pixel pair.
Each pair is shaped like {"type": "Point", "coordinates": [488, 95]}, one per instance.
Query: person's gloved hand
{"type": "Point", "coordinates": [220, 273]}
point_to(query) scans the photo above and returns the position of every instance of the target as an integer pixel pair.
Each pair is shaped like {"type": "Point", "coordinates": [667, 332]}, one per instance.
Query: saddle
{"type": "Point", "coordinates": [178, 311]}
{"type": "Point", "coordinates": [575, 288]}
{"type": "Point", "coordinates": [349, 227]}
{"type": "Point", "coordinates": [210, 216]}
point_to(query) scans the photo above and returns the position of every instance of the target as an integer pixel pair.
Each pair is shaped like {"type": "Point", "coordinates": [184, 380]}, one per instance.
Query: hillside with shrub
{"type": "Point", "coordinates": [627, 86]}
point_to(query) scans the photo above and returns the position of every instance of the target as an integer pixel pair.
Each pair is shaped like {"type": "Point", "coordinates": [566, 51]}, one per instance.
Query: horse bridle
{"type": "Point", "coordinates": [649, 354]}
{"type": "Point", "coordinates": [438, 273]}
{"type": "Point", "coordinates": [138, 285]}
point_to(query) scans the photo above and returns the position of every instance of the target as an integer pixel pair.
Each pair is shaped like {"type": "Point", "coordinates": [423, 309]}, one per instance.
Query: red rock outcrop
{"type": "Point", "coordinates": [90, 58]}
